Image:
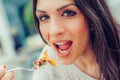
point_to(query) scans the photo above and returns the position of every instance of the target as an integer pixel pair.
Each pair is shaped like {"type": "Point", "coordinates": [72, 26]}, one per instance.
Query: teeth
{"type": "Point", "coordinates": [63, 47]}
{"type": "Point", "coordinates": [60, 43]}
{"type": "Point", "coordinates": [63, 51]}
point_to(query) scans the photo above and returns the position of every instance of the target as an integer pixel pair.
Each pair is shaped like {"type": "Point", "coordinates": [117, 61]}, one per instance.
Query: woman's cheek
{"type": "Point", "coordinates": [44, 33]}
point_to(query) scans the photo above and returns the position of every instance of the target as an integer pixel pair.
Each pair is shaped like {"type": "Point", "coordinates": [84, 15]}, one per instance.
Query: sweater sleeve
{"type": "Point", "coordinates": [45, 72]}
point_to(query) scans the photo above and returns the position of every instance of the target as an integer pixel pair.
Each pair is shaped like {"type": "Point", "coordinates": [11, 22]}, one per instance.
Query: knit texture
{"type": "Point", "coordinates": [60, 72]}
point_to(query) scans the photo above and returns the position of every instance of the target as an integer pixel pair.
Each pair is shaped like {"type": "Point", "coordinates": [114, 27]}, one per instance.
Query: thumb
{"type": "Point", "coordinates": [8, 76]}
{"type": "Point", "coordinates": [2, 70]}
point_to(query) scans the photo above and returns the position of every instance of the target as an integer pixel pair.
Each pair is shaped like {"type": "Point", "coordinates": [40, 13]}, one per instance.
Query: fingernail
{"type": "Point", "coordinates": [4, 66]}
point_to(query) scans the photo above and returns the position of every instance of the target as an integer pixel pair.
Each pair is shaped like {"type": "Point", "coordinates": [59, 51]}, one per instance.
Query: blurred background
{"type": "Point", "coordinates": [20, 43]}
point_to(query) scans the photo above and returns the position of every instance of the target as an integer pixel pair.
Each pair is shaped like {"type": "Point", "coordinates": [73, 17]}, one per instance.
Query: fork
{"type": "Point", "coordinates": [21, 68]}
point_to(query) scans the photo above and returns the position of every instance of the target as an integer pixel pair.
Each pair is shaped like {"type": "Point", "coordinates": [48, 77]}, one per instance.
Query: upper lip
{"type": "Point", "coordinates": [60, 42]}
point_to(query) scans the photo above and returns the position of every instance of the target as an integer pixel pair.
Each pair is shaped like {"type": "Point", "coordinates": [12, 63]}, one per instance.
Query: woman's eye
{"type": "Point", "coordinates": [43, 17]}
{"type": "Point", "coordinates": [68, 13]}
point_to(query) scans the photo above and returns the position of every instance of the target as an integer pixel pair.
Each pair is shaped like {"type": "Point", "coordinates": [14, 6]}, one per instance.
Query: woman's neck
{"type": "Point", "coordinates": [87, 63]}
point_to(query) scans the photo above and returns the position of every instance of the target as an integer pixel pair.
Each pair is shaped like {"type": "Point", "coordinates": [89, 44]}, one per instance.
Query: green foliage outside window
{"type": "Point", "coordinates": [28, 16]}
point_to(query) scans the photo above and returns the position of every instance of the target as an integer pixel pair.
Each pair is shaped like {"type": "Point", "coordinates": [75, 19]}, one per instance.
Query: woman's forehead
{"type": "Point", "coordinates": [45, 4]}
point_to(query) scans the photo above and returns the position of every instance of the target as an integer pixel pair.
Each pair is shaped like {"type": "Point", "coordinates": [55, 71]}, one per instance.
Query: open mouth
{"type": "Point", "coordinates": [63, 48]}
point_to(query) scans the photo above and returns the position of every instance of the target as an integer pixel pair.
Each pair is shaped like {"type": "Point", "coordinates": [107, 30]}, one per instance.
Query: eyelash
{"type": "Point", "coordinates": [66, 13]}
{"type": "Point", "coordinates": [43, 17]}
{"type": "Point", "coordinates": [69, 13]}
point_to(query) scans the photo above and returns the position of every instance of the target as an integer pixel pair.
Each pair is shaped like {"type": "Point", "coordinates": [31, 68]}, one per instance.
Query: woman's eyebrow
{"type": "Point", "coordinates": [37, 10]}
{"type": "Point", "coordinates": [64, 6]}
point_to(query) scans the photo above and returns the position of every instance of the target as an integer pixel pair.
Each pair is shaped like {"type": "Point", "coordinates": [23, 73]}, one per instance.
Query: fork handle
{"type": "Point", "coordinates": [20, 68]}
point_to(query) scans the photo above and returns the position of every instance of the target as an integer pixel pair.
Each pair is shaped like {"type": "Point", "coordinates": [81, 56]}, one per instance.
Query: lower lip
{"type": "Point", "coordinates": [65, 53]}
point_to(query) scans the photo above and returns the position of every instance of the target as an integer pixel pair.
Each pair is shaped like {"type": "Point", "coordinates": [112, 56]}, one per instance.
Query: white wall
{"type": "Point", "coordinates": [115, 9]}
{"type": "Point", "coordinates": [8, 51]}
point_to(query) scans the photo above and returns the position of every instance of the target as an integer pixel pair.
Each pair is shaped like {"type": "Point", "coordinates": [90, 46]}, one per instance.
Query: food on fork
{"type": "Point", "coordinates": [43, 60]}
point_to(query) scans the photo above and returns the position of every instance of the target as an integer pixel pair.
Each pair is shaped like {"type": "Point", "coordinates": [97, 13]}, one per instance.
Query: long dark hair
{"type": "Point", "coordinates": [104, 37]}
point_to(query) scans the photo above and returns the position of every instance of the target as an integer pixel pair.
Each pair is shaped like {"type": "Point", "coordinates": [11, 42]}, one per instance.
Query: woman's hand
{"type": "Point", "coordinates": [4, 75]}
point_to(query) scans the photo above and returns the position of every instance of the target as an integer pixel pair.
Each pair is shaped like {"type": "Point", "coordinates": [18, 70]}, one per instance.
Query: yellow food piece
{"type": "Point", "coordinates": [52, 62]}
{"type": "Point", "coordinates": [47, 58]}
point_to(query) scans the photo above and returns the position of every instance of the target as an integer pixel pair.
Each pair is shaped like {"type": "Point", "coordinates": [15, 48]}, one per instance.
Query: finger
{"type": "Point", "coordinates": [13, 79]}
{"type": "Point", "coordinates": [8, 76]}
{"type": "Point", "coordinates": [2, 70]}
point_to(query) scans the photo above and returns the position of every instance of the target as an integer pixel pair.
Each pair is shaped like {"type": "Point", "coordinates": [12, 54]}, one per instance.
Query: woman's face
{"type": "Point", "coordinates": [64, 28]}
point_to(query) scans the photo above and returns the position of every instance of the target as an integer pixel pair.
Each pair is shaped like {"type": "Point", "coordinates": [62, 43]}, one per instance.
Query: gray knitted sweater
{"type": "Point", "coordinates": [60, 72]}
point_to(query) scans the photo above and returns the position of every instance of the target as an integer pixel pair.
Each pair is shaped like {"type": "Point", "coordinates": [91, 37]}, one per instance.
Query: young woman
{"type": "Point", "coordinates": [83, 34]}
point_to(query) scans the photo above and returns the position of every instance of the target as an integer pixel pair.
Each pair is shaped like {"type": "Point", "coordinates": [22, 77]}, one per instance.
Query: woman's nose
{"type": "Point", "coordinates": [56, 28]}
